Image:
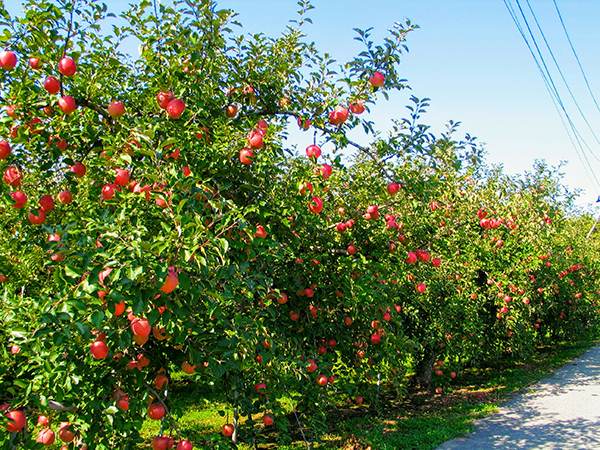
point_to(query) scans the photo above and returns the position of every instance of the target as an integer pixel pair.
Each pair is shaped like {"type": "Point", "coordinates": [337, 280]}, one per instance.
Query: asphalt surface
{"type": "Point", "coordinates": [561, 412]}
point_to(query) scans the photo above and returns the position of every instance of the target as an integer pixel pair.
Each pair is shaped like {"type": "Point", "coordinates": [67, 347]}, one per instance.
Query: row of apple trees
{"type": "Point", "coordinates": [154, 219]}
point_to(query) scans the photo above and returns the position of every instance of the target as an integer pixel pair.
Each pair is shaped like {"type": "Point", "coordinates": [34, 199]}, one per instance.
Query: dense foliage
{"type": "Point", "coordinates": [154, 219]}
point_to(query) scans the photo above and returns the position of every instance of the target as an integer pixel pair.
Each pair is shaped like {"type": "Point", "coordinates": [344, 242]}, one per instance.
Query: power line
{"type": "Point", "coordinates": [576, 56]}
{"type": "Point", "coordinates": [554, 94]}
{"type": "Point", "coordinates": [564, 80]}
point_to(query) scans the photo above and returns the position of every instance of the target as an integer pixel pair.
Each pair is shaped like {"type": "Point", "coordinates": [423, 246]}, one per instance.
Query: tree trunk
{"type": "Point", "coordinates": [424, 370]}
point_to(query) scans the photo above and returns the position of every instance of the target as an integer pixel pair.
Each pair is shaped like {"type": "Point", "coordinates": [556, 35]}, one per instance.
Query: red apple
{"type": "Point", "coordinates": [246, 156]}
{"type": "Point", "coordinates": [39, 219]}
{"type": "Point", "coordinates": [377, 79]}
{"type": "Point", "coordinates": [393, 188]}
{"type": "Point", "coordinates": [375, 338]}
{"type": "Point", "coordinates": [325, 170]}
{"type": "Point", "coordinates": [322, 380]}
{"type": "Point", "coordinates": [52, 85]}
{"type": "Point", "coordinates": [46, 203]}
{"type": "Point", "coordinates": [64, 433]}
{"type": "Point", "coordinates": [171, 282]}
{"type": "Point", "coordinates": [64, 197]}
{"type": "Point", "coordinates": [156, 411]}
{"type": "Point", "coordinates": [316, 205]}
{"type": "Point", "coordinates": [16, 420]}
{"type": "Point", "coordinates": [351, 249]}
{"type": "Point", "coordinates": [67, 67]}
{"type": "Point", "coordinates": [421, 287]}
{"type": "Point", "coordinates": [260, 232]}
{"type": "Point", "coordinates": [116, 109]}
{"type": "Point", "coordinates": [13, 176]}
{"type": "Point", "coordinates": [99, 349]}
{"type": "Point", "coordinates": [313, 151]}
{"type": "Point", "coordinates": [67, 104]}
{"type": "Point", "coordinates": [43, 421]}
{"type": "Point", "coordinates": [175, 108]}
{"type": "Point", "coordinates": [140, 327]}
{"type": "Point", "coordinates": [267, 419]}
{"type": "Point", "coordinates": [227, 429]}
{"type": "Point", "coordinates": [338, 116]}
{"type": "Point", "coordinates": [231, 111]}
{"type": "Point", "coordinates": [4, 149]}
{"type": "Point", "coordinates": [19, 198]}
{"type": "Point", "coordinates": [8, 60]}
{"type": "Point", "coordinates": [122, 177]}
{"type": "Point", "coordinates": [357, 107]}
{"type": "Point", "coordinates": [411, 258]}
{"type": "Point", "coordinates": [34, 63]}
{"type": "Point", "coordinates": [78, 169]}
{"type": "Point", "coordinates": [184, 445]}
{"type": "Point", "coordinates": [255, 139]}
{"type": "Point", "coordinates": [435, 262]}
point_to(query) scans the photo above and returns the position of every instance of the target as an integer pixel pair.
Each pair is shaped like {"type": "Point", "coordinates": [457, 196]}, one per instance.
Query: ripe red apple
{"type": "Point", "coordinates": [316, 205]}
{"type": "Point", "coordinates": [65, 197]}
{"type": "Point", "coordinates": [357, 107]}
{"type": "Point", "coordinates": [261, 388]}
{"type": "Point", "coordinates": [19, 198]}
{"type": "Point", "coordinates": [39, 219]}
{"type": "Point", "coordinates": [294, 316]}
{"type": "Point", "coordinates": [322, 380]}
{"type": "Point", "coordinates": [227, 429]}
{"type": "Point", "coordinates": [78, 169]}
{"type": "Point", "coordinates": [108, 191]}
{"type": "Point", "coordinates": [52, 85]}
{"type": "Point", "coordinates": [411, 258]}
{"type": "Point", "coordinates": [377, 79]}
{"type": "Point", "coordinates": [16, 420]}
{"type": "Point", "coordinates": [156, 411]}
{"type": "Point", "coordinates": [358, 400]}
{"type": "Point", "coordinates": [311, 366]}
{"type": "Point", "coordinates": [246, 156]}
{"type": "Point", "coordinates": [99, 349]}
{"type": "Point", "coordinates": [452, 374]}
{"type": "Point", "coordinates": [325, 170]}
{"type": "Point", "coordinates": [282, 299]}
{"type": "Point", "coordinates": [351, 249]}
{"type": "Point", "coordinates": [164, 98]}
{"type": "Point", "coordinates": [438, 390]}
{"type": "Point", "coordinates": [424, 256]}
{"type": "Point", "coordinates": [162, 443]}
{"type": "Point", "coordinates": [421, 287]}
{"type": "Point", "coordinates": [171, 282]}
{"type": "Point", "coordinates": [116, 108]}
{"type": "Point", "coordinates": [67, 67]}
{"type": "Point", "coordinates": [46, 203]}
{"type": "Point", "coordinates": [255, 139]}
{"type": "Point", "coordinates": [43, 421]}
{"type": "Point", "coordinates": [46, 436]}
{"type": "Point", "coordinates": [188, 368]}
{"type": "Point", "coordinates": [67, 104]}
{"type": "Point", "coordinates": [341, 227]}
{"type": "Point", "coordinates": [4, 149]}
{"type": "Point", "coordinates": [14, 349]}
{"type": "Point", "coordinates": [306, 187]}
{"type": "Point", "coordinates": [393, 188]}
{"type": "Point", "coordinates": [184, 445]}
{"type": "Point", "coordinates": [348, 321]}
{"type": "Point", "coordinates": [13, 177]}
{"type": "Point", "coordinates": [260, 232]}
{"type": "Point", "coordinates": [34, 63]}
{"type": "Point", "coordinates": [338, 116]}
{"type": "Point", "coordinates": [140, 327]}
{"type": "Point", "coordinates": [64, 433]}
{"type": "Point", "coordinates": [268, 419]}
{"type": "Point", "coordinates": [375, 338]}
{"type": "Point", "coordinates": [122, 177]}
{"type": "Point", "coordinates": [175, 108]}
{"type": "Point", "coordinates": [313, 151]}
{"type": "Point", "coordinates": [435, 262]}
{"type": "Point", "coordinates": [161, 382]}
{"type": "Point", "coordinates": [304, 124]}
{"type": "Point", "coordinates": [8, 60]}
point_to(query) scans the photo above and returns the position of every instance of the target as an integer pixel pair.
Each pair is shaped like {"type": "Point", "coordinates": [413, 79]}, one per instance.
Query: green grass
{"type": "Point", "coordinates": [419, 421]}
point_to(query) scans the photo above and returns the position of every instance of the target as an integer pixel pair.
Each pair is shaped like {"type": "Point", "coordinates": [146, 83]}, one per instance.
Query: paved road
{"type": "Point", "coordinates": [558, 413]}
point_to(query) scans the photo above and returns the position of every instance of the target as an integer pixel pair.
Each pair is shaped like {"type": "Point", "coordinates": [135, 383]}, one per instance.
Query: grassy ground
{"type": "Point", "coordinates": [419, 421]}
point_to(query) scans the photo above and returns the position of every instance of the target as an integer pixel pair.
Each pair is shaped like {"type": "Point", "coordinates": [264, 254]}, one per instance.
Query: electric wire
{"type": "Point", "coordinates": [555, 96]}
{"type": "Point", "coordinates": [564, 80]}
{"type": "Point", "coordinates": [587, 83]}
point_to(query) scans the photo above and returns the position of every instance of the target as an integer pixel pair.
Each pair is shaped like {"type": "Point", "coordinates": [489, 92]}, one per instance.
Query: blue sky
{"type": "Point", "coordinates": [470, 60]}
